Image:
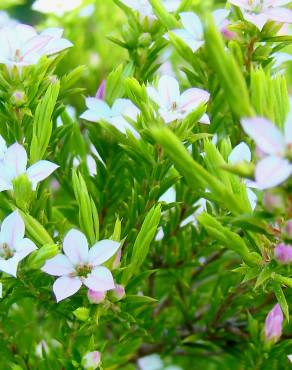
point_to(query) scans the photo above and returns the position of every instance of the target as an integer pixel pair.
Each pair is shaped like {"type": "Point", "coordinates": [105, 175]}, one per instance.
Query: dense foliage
{"type": "Point", "coordinates": [145, 184]}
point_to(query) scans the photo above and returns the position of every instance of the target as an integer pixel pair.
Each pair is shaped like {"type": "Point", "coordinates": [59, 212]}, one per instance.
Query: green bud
{"type": "Point", "coordinates": [18, 98]}
{"type": "Point", "coordinates": [145, 39]}
{"type": "Point", "coordinates": [23, 193]}
{"type": "Point", "coordinates": [81, 313]}
{"type": "Point", "coordinates": [39, 257]}
{"type": "Point", "coordinates": [35, 230]}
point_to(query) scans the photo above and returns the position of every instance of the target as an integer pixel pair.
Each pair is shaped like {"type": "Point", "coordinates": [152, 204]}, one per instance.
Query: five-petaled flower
{"type": "Point", "coordinates": [273, 324]}
{"type": "Point", "coordinates": [173, 105]}
{"type": "Point", "coordinates": [22, 45]}
{"type": "Point", "coordinates": [275, 167]}
{"type": "Point", "coordinates": [57, 7]}
{"type": "Point", "coordinates": [80, 265]}
{"type": "Point", "coordinates": [259, 12]}
{"type": "Point", "coordinates": [14, 164]}
{"type": "Point", "coordinates": [14, 247]}
{"type": "Point", "coordinates": [192, 33]}
{"type": "Point", "coordinates": [98, 110]}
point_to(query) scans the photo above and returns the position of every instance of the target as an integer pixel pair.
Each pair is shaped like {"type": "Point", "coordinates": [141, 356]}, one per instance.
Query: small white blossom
{"type": "Point", "coordinates": [14, 164]}
{"type": "Point", "coordinates": [22, 45]}
{"type": "Point", "coordinates": [91, 360]}
{"type": "Point", "coordinates": [57, 7]}
{"type": "Point", "coordinates": [14, 247]}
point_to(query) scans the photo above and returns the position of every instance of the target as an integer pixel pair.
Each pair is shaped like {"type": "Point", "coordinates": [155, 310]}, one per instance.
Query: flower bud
{"type": "Point", "coordinates": [95, 297]}
{"type": "Point", "coordinates": [118, 292]}
{"type": "Point", "coordinates": [22, 189]}
{"type": "Point", "coordinates": [39, 257]}
{"type": "Point", "coordinates": [18, 98]}
{"type": "Point", "coordinates": [274, 201]}
{"type": "Point", "coordinates": [288, 230]}
{"type": "Point", "coordinates": [91, 360]}
{"type": "Point", "coordinates": [100, 94]}
{"type": "Point", "coordinates": [283, 253]}
{"type": "Point", "coordinates": [273, 324]}
{"type": "Point", "coordinates": [81, 313]}
{"type": "Point", "coordinates": [229, 35]}
{"type": "Point", "coordinates": [144, 39]}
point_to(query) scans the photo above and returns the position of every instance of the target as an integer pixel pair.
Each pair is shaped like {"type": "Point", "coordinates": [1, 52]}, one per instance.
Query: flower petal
{"type": "Point", "coordinates": [168, 90]}
{"type": "Point", "coordinates": [240, 153]}
{"type": "Point", "coordinates": [40, 171]}
{"type": "Point", "coordinates": [288, 129]}
{"type": "Point", "coordinates": [23, 248]}
{"type": "Point", "coordinates": [244, 4]}
{"type": "Point", "coordinates": [272, 171]}
{"type": "Point", "coordinates": [9, 266]}
{"type": "Point", "coordinates": [219, 16]}
{"type": "Point", "coordinates": [102, 251]}
{"type": "Point", "coordinates": [188, 39]}
{"type": "Point", "coordinates": [191, 99]}
{"type": "Point", "coordinates": [66, 286]}
{"type": "Point", "coordinates": [266, 135]}
{"type": "Point", "coordinates": [16, 159]}
{"type": "Point", "coordinates": [192, 23]}
{"type": "Point", "coordinates": [252, 197]}
{"type": "Point", "coordinates": [100, 279]}
{"type": "Point", "coordinates": [58, 266]}
{"type": "Point", "coordinates": [279, 15]}
{"type": "Point", "coordinates": [75, 247]}
{"type": "Point", "coordinates": [12, 229]}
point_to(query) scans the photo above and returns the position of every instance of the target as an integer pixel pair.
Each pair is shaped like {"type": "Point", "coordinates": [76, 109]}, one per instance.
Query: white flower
{"type": "Point", "coordinates": [91, 360]}
{"type": "Point", "coordinates": [169, 196]}
{"type": "Point", "coordinates": [57, 7]}
{"type": "Point", "coordinates": [192, 33]}
{"type": "Point", "coordinates": [259, 12]}
{"type": "Point", "coordinates": [173, 105]}
{"type": "Point", "coordinates": [13, 246]}
{"type": "Point", "coordinates": [274, 167]}
{"type": "Point", "coordinates": [22, 45]}
{"type": "Point", "coordinates": [99, 110]}
{"type": "Point", "coordinates": [150, 362]}
{"type": "Point", "coordinates": [3, 148]}
{"type": "Point", "coordinates": [14, 164]}
{"type": "Point", "coordinates": [242, 153]}
{"type": "Point", "coordinates": [80, 265]}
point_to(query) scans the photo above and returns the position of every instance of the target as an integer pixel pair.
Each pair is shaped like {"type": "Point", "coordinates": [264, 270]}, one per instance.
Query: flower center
{"type": "Point", "coordinates": [5, 251]}
{"type": "Point", "coordinates": [83, 270]}
{"type": "Point", "coordinates": [257, 5]}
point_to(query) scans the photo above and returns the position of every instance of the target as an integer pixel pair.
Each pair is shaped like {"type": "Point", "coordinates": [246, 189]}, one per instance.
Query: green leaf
{"type": "Point", "coordinates": [281, 299]}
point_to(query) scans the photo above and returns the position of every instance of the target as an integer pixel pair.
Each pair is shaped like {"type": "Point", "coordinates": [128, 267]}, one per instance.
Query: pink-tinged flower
{"type": "Point", "coordinates": [91, 360]}
{"type": "Point", "coordinates": [229, 35]}
{"type": "Point", "coordinates": [14, 164]}
{"type": "Point", "coordinates": [116, 115]}
{"type": "Point", "coordinates": [22, 45]}
{"type": "Point", "coordinates": [100, 94]}
{"type": "Point", "coordinates": [95, 297]}
{"type": "Point", "coordinates": [274, 201]}
{"type": "Point", "coordinates": [274, 168]}
{"type": "Point", "coordinates": [241, 153]}
{"type": "Point", "coordinates": [273, 324]}
{"type": "Point", "coordinates": [57, 7]}
{"type": "Point", "coordinates": [14, 247]}
{"type": "Point", "coordinates": [259, 12]}
{"type": "Point", "coordinates": [283, 253]}
{"type": "Point", "coordinates": [192, 33]}
{"type": "Point", "coordinates": [288, 229]}
{"type": "Point", "coordinates": [173, 105]}
{"type": "Point", "coordinates": [80, 265]}
{"type": "Point", "coordinates": [119, 292]}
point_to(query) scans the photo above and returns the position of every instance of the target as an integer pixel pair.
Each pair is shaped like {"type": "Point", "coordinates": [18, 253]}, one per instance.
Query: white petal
{"type": "Point", "coordinates": [252, 197]}
{"type": "Point", "coordinates": [192, 24]}
{"type": "Point", "coordinates": [75, 247]}
{"type": "Point", "coordinates": [99, 106]}
{"type": "Point", "coordinates": [23, 248]}
{"type": "Point", "coordinates": [12, 229]}
{"type": "Point", "coordinates": [34, 45]}
{"type": "Point", "coordinates": [205, 120]}
{"type": "Point", "coordinates": [283, 15]}
{"type": "Point", "coordinates": [55, 46]}
{"type": "Point", "coordinates": [58, 266]}
{"type": "Point", "coordinates": [153, 94]}
{"type": "Point", "coordinates": [288, 129]}
{"type": "Point", "coordinates": [219, 16]}
{"type": "Point", "coordinates": [93, 116]}
{"type": "Point", "coordinates": [9, 266]}
{"type": "Point", "coordinates": [272, 171]}
{"type": "Point", "coordinates": [240, 153]}
{"type": "Point", "coordinates": [24, 33]}
{"type": "Point", "coordinates": [188, 39]}
{"type": "Point", "coordinates": [168, 90]}
{"type": "Point", "coordinates": [169, 196]}
{"type": "Point", "coordinates": [16, 159]}
{"type": "Point", "coordinates": [66, 286]}
{"type": "Point", "coordinates": [40, 171]}
{"type": "Point", "coordinates": [100, 279]}
{"type": "Point", "coordinates": [266, 135]}
{"type": "Point", "coordinates": [245, 4]}
{"type": "Point", "coordinates": [191, 99]}
{"type": "Point", "coordinates": [259, 20]}
{"type": "Point", "coordinates": [102, 251]}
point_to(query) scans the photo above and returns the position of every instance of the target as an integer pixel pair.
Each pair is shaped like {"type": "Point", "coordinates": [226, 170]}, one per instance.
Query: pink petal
{"type": "Point", "coordinates": [66, 286]}
{"type": "Point", "coordinates": [58, 266]}
{"type": "Point", "coordinates": [100, 279]}
{"type": "Point", "coordinates": [16, 159]}
{"type": "Point", "coordinates": [12, 229]}
{"type": "Point", "coordinates": [102, 251]}
{"type": "Point", "coordinates": [266, 135]}
{"type": "Point", "coordinates": [75, 247]}
{"type": "Point", "coordinates": [272, 171]}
